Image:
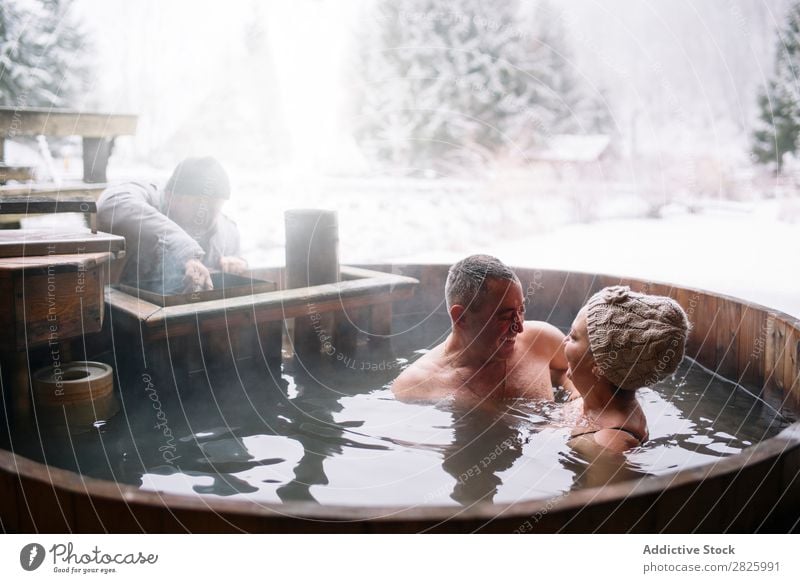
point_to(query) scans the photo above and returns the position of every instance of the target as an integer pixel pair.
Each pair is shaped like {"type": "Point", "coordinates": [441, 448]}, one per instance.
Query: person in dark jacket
{"type": "Point", "coordinates": [176, 236]}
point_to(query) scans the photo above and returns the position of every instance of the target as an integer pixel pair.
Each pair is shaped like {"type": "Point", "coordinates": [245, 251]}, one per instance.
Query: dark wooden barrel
{"type": "Point", "coordinates": [753, 491]}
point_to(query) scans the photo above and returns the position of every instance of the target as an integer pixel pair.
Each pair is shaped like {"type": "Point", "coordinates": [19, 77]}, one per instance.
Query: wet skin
{"type": "Point", "coordinates": [491, 353]}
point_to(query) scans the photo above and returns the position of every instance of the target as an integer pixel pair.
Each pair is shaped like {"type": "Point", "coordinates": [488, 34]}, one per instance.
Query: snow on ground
{"type": "Point", "coordinates": [746, 250]}
{"type": "Point", "coordinates": [743, 250]}
{"type": "Point", "coordinates": [749, 257]}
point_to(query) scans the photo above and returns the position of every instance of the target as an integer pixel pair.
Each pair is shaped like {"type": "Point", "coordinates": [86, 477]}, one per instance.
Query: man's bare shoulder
{"type": "Point", "coordinates": [541, 334]}
{"type": "Point", "coordinates": [422, 379]}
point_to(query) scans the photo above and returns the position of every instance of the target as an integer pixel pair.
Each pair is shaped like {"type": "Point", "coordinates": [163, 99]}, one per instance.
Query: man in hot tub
{"type": "Point", "coordinates": [175, 236]}
{"type": "Point", "coordinates": [491, 352]}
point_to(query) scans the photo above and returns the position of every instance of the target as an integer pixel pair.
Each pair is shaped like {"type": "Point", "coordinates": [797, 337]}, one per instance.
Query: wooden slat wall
{"type": "Point", "coordinates": [28, 121]}
{"type": "Point", "coordinates": [726, 328]}
{"type": "Point", "coordinates": [791, 364]}
{"type": "Point", "coordinates": [751, 346]}
{"type": "Point", "coordinates": [42, 508]}
{"type": "Point", "coordinates": [7, 316]}
{"type": "Point", "coordinates": [76, 304]}
{"type": "Point", "coordinates": [422, 301]}
{"type": "Point", "coordinates": [549, 296]}
{"type": "Point", "coordinates": [9, 517]}
{"type": "Point", "coordinates": [776, 361]}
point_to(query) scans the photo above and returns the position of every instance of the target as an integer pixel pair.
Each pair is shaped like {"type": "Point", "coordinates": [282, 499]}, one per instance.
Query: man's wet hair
{"type": "Point", "coordinates": [467, 280]}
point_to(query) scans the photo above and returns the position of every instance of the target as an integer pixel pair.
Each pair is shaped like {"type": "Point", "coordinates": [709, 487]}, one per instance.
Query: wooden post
{"type": "Point", "coordinates": [380, 329]}
{"type": "Point", "coordinates": [312, 258]}
{"type": "Point", "coordinates": [347, 324]}
{"type": "Point", "coordinates": [271, 334]}
{"type": "Point", "coordinates": [96, 152]}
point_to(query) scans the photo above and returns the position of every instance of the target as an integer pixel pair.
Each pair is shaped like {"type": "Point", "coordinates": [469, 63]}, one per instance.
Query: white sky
{"type": "Point", "coordinates": [679, 73]}
{"type": "Point", "coordinates": [159, 59]}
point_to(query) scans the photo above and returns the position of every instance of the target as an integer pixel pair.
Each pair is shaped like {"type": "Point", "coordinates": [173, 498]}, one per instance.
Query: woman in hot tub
{"type": "Point", "coordinates": [620, 341]}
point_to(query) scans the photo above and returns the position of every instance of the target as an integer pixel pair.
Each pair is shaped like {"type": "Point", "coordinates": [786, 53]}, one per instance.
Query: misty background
{"type": "Point", "coordinates": [689, 69]}
{"type": "Point", "coordinates": [611, 136]}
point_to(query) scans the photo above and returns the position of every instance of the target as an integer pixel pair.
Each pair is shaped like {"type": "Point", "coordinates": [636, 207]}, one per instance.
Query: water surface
{"type": "Point", "coordinates": [336, 435]}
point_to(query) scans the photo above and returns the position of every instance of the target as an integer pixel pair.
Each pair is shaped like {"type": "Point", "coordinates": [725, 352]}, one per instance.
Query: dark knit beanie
{"type": "Point", "coordinates": [200, 177]}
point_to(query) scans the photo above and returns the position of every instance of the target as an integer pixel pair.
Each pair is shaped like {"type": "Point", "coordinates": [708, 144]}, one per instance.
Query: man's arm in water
{"type": "Point", "coordinates": [552, 342]}
{"type": "Point", "coordinates": [546, 342]}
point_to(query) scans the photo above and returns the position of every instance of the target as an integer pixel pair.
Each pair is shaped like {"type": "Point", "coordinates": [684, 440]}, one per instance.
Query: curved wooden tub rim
{"type": "Point", "coordinates": [76, 484]}
{"type": "Point", "coordinates": [73, 483]}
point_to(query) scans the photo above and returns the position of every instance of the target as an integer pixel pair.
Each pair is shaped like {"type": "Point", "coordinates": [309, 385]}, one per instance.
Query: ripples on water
{"type": "Point", "coordinates": [243, 434]}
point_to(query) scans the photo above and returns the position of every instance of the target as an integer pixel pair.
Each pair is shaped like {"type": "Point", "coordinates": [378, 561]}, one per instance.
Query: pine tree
{"type": "Point", "coordinates": [572, 108]}
{"type": "Point", "coordinates": [43, 54]}
{"type": "Point", "coordinates": [449, 88]}
{"type": "Point", "coordinates": [441, 88]}
{"type": "Point", "coordinates": [779, 105]}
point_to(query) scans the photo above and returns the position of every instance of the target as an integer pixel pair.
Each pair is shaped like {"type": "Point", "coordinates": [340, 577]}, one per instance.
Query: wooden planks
{"type": "Point", "coordinates": [52, 307]}
{"type": "Point", "coordinates": [131, 306]}
{"type": "Point", "coordinates": [47, 189]}
{"type": "Point", "coordinates": [253, 324]}
{"type": "Point", "coordinates": [51, 298]}
{"type": "Point", "coordinates": [41, 203]}
{"type": "Point", "coordinates": [726, 331]}
{"type": "Point", "coordinates": [714, 498]}
{"type": "Point", "coordinates": [6, 293]}
{"type": "Point", "coordinates": [37, 242]}
{"type": "Point", "coordinates": [20, 173]}
{"type": "Point", "coordinates": [226, 285]}
{"type": "Point", "coordinates": [17, 202]}
{"type": "Point", "coordinates": [276, 305]}
{"type": "Point", "coordinates": [55, 263]}
{"type": "Point", "coordinates": [97, 129]}
{"type": "Point", "coordinates": [35, 121]}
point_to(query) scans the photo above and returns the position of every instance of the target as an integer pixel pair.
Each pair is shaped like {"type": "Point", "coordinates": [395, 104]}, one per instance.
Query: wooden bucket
{"type": "Point", "coordinates": [74, 394]}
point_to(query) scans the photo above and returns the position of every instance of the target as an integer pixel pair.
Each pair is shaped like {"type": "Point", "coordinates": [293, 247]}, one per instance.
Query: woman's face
{"type": "Point", "coordinates": [576, 347]}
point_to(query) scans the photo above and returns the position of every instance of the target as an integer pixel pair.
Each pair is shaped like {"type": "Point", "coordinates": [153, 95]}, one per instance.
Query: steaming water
{"type": "Point", "coordinates": [336, 435]}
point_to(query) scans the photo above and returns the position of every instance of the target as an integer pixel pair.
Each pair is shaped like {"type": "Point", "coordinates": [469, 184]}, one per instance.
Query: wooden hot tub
{"type": "Point", "coordinates": [756, 490]}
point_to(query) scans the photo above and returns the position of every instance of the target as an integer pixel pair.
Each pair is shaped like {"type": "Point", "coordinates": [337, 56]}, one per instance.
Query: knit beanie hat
{"type": "Point", "coordinates": [636, 339]}
{"type": "Point", "coordinates": [200, 177]}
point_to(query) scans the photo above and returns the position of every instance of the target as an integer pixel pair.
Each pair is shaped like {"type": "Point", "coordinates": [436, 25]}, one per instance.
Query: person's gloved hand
{"type": "Point", "coordinates": [234, 265]}
{"type": "Point", "coordinates": [196, 277]}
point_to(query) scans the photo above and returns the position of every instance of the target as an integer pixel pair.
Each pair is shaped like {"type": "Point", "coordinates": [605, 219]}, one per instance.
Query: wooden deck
{"type": "Point", "coordinates": [98, 131]}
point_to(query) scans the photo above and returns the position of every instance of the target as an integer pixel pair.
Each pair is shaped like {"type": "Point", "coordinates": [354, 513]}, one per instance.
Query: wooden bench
{"type": "Point", "coordinates": [98, 131]}
{"type": "Point", "coordinates": [18, 173]}
{"type": "Point", "coordinates": [21, 201]}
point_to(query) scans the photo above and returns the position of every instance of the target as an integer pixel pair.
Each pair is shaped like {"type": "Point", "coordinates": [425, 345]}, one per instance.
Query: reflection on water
{"type": "Point", "coordinates": [334, 434]}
